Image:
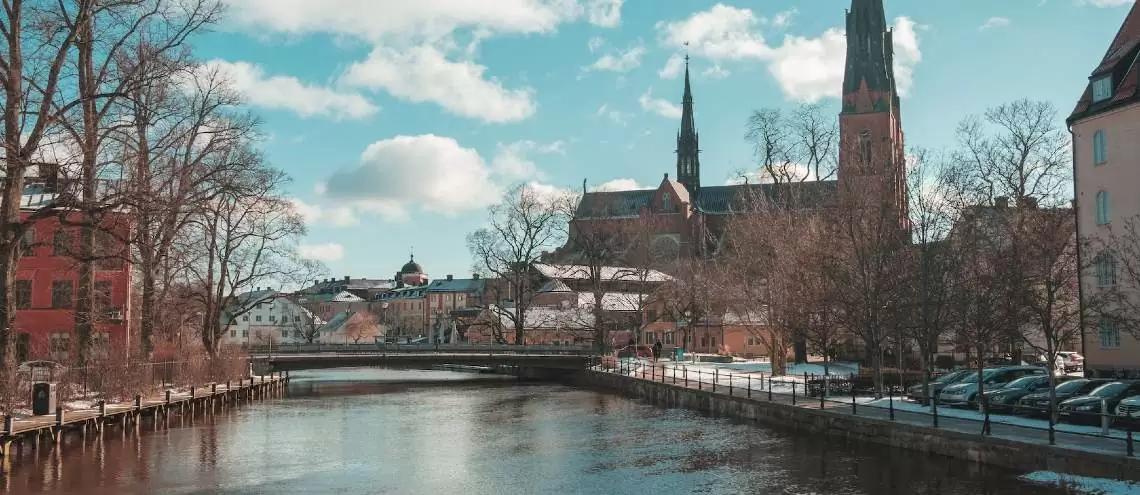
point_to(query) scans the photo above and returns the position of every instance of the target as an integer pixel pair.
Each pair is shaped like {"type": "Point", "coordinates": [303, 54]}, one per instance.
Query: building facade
{"type": "Point", "coordinates": [47, 279]}
{"type": "Point", "coordinates": [264, 317]}
{"type": "Point", "coordinates": [1104, 125]}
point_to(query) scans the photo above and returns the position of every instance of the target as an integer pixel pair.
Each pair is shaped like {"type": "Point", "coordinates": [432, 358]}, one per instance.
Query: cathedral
{"type": "Point", "coordinates": [690, 219]}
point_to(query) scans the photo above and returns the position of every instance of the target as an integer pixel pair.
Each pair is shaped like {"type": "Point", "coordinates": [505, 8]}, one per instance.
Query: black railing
{"type": "Point", "coordinates": [1101, 431]}
{"type": "Point", "coordinates": [395, 348]}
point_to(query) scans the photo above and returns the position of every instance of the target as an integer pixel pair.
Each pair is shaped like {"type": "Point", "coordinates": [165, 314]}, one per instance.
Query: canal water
{"type": "Point", "coordinates": [359, 431]}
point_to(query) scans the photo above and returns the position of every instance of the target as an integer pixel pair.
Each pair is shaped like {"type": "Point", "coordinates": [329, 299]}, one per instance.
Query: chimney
{"type": "Point", "coordinates": [1001, 202]}
{"type": "Point", "coordinates": [449, 277]}
{"type": "Point", "coordinates": [346, 279]}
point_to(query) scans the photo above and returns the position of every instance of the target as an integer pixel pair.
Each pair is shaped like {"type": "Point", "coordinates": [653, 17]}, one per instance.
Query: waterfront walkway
{"type": "Point", "coordinates": [757, 388]}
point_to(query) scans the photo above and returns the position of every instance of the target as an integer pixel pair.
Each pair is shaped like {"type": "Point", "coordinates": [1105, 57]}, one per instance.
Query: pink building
{"type": "Point", "coordinates": [1104, 125]}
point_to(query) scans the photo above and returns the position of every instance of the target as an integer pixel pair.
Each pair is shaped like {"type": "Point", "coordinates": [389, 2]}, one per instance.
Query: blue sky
{"type": "Point", "coordinates": [401, 121]}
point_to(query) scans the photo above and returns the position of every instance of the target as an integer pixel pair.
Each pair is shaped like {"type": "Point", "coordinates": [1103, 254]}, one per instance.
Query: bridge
{"type": "Point", "coordinates": [521, 358]}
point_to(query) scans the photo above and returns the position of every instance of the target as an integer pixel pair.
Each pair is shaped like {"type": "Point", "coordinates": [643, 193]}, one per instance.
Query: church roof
{"type": "Point", "coordinates": [716, 200]}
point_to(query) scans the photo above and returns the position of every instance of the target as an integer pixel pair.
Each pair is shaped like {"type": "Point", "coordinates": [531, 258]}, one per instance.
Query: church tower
{"type": "Point", "coordinates": [688, 151]}
{"type": "Point", "coordinates": [872, 165]}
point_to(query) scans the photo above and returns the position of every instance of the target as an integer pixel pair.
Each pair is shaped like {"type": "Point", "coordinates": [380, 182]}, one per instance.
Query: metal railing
{"type": "Point", "coordinates": [397, 348]}
{"type": "Point", "coordinates": [1105, 432]}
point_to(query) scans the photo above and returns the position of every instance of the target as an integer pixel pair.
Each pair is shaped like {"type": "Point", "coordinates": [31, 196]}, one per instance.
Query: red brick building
{"type": "Point", "coordinates": [46, 286]}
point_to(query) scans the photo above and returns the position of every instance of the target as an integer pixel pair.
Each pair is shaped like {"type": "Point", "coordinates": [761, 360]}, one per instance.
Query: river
{"type": "Point", "coordinates": [357, 431]}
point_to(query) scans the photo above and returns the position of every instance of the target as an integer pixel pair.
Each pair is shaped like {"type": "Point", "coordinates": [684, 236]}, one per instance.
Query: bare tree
{"type": "Point", "coordinates": [795, 147]}
{"type": "Point", "coordinates": [520, 230]}
{"type": "Point", "coordinates": [307, 326]}
{"type": "Point", "coordinates": [361, 326]}
{"type": "Point", "coordinates": [688, 297]}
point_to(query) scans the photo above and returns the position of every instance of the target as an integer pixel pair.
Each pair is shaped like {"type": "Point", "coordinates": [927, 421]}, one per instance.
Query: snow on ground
{"type": "Point", "coordinates": [973, 414]}
{"type": "Point", "coordinates": [1084, 484]}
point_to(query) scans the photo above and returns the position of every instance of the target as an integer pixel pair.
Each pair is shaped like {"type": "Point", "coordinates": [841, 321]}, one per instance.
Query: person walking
{"type": "Point", "coordinates": [657, 350]}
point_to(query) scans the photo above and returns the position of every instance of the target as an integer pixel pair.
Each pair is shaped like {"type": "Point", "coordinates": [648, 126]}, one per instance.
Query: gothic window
{"type": "Point", "coordinates": [667, 203]}
{"type": "Point", "coordinates": [865, 147]}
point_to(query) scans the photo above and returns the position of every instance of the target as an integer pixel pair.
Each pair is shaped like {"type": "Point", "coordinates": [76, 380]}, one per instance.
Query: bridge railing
{"type": "Point", "coordinates": [394, 348]}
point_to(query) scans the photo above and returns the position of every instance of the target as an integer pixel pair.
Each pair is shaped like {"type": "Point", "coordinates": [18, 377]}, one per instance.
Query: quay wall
{"type": "Point", "coordinates": [977, 448]}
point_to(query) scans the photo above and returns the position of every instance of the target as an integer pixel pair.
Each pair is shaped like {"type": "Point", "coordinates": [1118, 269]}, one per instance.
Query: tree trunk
{"type": "Point", "coordinates": [84, 316]}
{"type": "Point", "coordinates": [800, 348]}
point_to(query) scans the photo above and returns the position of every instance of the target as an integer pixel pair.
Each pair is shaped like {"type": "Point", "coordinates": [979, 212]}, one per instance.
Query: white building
{"type": "Point", "coordinates": [267, 316]}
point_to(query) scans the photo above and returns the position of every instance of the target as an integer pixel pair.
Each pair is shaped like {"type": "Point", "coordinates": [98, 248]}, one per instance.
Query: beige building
{"type": "Point", "coordinates": [1105, 125]}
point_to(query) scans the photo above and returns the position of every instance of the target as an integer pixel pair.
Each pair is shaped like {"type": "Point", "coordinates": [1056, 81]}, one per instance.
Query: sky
{"type": "Point", "coordinates": [401, 122]}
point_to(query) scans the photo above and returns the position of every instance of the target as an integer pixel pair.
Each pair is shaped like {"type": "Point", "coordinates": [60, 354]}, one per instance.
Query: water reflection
{"type": "Point", "coordinates": [369, 431]}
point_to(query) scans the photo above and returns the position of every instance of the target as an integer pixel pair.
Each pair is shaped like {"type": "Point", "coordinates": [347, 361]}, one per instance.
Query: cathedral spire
{"type": "Point", "coordinates": [688, 149]}
{"type": "Point", "coordinates": [870, 50]}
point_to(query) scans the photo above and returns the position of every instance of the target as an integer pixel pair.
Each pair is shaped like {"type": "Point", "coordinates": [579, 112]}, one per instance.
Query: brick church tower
{"type": "Point", "coordinates": [872, 164]}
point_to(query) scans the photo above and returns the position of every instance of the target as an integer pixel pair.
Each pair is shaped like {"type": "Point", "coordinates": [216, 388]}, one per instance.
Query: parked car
{"type": "Point", "coordinates": [917, 393]}
{"type": "Point", "coordinates": [966, 391]}
{"type": "Point", "coordinates": [1072, 361]}
{"type": "Point", "coordinates": [1128, 411]}
{"type": "Point", "coordinates": [1088, 408]}
{"type": "Point", "coordinates": [1037, 404]}
{"type": "Point", "coordinates": [1006, 398]}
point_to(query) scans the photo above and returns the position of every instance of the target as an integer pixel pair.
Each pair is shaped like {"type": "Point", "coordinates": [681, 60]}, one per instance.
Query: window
{"type": "Point", "coordinates": [233, 334]}
{"type": "Point", "coordinates": [284, 334]}
{"type": "Point", "coordinates": [296, 318]}
{"type": "Point", "coordinates": [1106, 270]}
{"type": "Point", "coordinates": [751, 340]}
{"type": "Point", "coordinates": [245, 317]}
{"type": "Point", "coordinates": [61, 294]}
{"type": "Point", "coordinates": [666, 202]}
{"type": "Point", "coordinates": [245, 333]}
{"type": "Point", "coordinates": [297, 334]}
{"type": "Point", "coordinates": [60, 346]}
{"type": "Point", "coordinates": [27, 242]}
{"type": "Point", "coordinates": [257, 318]}
{"type": "Point", "coordinates": [669, 338]}
{"type": "Point", "coordinates": [108, 251]}
{"type": "Point", "coordinates": [865, 146]}
{"type": "Point", "coordinates": [651, 315]}
{"type": "Point", "coordinates": [100, 345]}
{"type": "Point", "coordinates": [23, 346]}
{"type": "Point", "coordinates": [1100, 148]}
{"type": "Point", "coordinates": [61, 243]}
{"type": "Point", "coordinates": [1109, 333]}
{"type": "Point", "coordinates": [103, 295]}
{"type": "Point", "coordinates": [1102, 214]}
{"type": "Point", "coordinates": [273, 318]}
{"type": "Point", "coordinates": [1102, 89]}
{"type": "Point", "coordinates": [23, 294]}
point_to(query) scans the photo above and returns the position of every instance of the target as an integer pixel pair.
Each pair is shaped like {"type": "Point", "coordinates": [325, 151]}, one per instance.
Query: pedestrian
{"type": "Point", "coordinates": [657, 350]}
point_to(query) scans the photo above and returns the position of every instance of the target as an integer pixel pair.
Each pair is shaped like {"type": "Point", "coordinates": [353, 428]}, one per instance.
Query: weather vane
{"type": "Point", "coordinates": [686, 45]}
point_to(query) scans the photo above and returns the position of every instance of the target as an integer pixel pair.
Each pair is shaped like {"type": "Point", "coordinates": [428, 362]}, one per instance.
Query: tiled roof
{"type": "Point", "coordinates": [1119, 63]}
{"type": "Point", "coordinates": [458, 285]}
{"type": "Point", "coordinates": [582, 272]}
{"type": "Point", "coordinates": [538, 317]}
{"type": "Point", "coordinates": [734, 199]}
{"type": "Point", "coordinates": [614, 301]}
{"type": "Point", "coordinates": [614, 204]}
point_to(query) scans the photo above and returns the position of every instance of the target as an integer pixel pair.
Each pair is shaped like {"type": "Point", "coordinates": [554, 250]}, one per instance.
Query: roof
{"type": "Point", "coordinates": [582, 272]}
{"type": "Point", "coordinates": [614, 301]}
{"type": "Point", "coordinates": [338, 320]}
{"type": "Point", "coordinates": [475, 285]}
{"type": "Point", "coordinates": [614, 204]}
{"type": "Point", "coordinates": [247, 299]}
{"type": "Point", "coordinates": [411, 266]}
{"type": "Point", "coordinates": [1120, 64]}
{"type": "Point", "coordinates": [540, 317]}
{"type": "Point", "coordinates": [734, 199]}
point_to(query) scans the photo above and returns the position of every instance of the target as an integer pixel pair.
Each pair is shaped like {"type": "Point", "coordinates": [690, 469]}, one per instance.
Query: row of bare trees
{"type": "Point", "coordinates": [144, 147]}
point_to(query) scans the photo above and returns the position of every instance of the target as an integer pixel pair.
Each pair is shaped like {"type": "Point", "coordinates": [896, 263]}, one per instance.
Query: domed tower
{"type": "Point", "coordinates": [412, 274]}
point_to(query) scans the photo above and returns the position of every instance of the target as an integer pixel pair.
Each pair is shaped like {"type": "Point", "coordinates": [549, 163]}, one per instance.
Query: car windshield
{"type": "Point", "coordinates": [1071, 386]}
{"type": "Point", "coordinates": [1023, 382]}
{"type": "Point", "coordinates": [951, 377]}
{"type": "Point", "coordinates": [970, 378]}
{"type": "Point", "coordinates": [1109, 390]}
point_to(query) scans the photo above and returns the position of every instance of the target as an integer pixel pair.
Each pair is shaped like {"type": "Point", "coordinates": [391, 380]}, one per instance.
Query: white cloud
{"type": "Point", "coordinates": [337, 216]}
{"type": "Point", "coordinates": [512, 161]}
{"type": "Point", "coordinates": [1104, 3]}
{"type": "Point", "coordinates": [784, 18]}
{"type": "Point", "coordinates": [807, 68]}
{"type": "Point", "coordinates": [720, 33]}
{"type": "Point", "coordinates": [658, 106]}
{"type": "Point", "coordinates": [595, 43]}
{"type": "Point", "coordinates": [432, 173]}
{"type": "Point", "coordinates": [618, 185]}
{"type": "Point", "coordinates": [715, 72]}
{"type": "Point", "coordinates": [548, 193]}
{"type": "Point", "coordinates": [288, 93]}
{"type": "Point", "coordinates": [792, 172]}
{"type": "Point", "coordinates": [995, 22]}
{"type": "Point", "coordinates": [616, 116]}
{"type": "Point", "coordinates": [423, 73]}
{"type": "Point", "coordinates": [673, 67]}
{"type": "Point", "coordinates": [621, 62]}
{"type": "Point", "coordinates": [329, 251]}
{"type": "Point", "coordinates": [604, 13]}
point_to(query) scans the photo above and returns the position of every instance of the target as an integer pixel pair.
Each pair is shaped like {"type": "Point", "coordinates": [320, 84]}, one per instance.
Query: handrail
{"type": "Point", "coordinates": [378, 348]}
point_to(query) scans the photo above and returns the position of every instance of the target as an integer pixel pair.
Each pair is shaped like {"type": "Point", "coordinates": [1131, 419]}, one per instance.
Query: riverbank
{"type": "Point", "coordinates": [953, 438]}
{"type": "Point", "coordinates": [28, 435]}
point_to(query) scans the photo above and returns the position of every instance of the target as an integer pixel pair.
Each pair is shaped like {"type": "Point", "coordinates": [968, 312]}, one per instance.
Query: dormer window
{"type": "Point", "coordinates": [1102, 89]}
